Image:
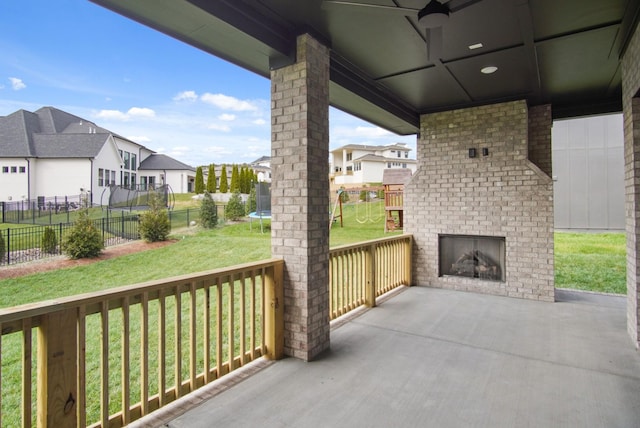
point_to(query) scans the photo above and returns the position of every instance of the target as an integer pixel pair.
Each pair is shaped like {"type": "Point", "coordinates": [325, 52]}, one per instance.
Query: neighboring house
{"type": "Point", "coordinates": [262, 168]}
{"type": "Point", "coordinates": [54, 153]}
{"type": "Point", "coordinates": [360, 164]}
{"type": "Point", "coordinates": [158, 169]}
{"type": "Point", "coordinates": [588, 173]}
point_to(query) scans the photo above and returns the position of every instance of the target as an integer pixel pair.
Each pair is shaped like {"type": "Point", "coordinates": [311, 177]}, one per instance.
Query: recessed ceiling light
{"type": "Point", "coordinates": [490, 69]}
{"type": "Point", "coordinates": [475, 46]}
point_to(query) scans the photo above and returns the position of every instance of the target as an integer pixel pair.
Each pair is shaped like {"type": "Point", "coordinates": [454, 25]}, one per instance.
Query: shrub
{"type": "Point", "coordinates": [208, 212]}
{"type": "Point", "coordinates": [363, 195]}
{"type": "Point", "coordinates": [234, 209]}
{"type": "Point", "coordinates": [154, 223]}
{"type": "Point", "coordinates": [49, 241]}
{"type": "Point", "coordinates": [211, 179]}
{"type": "Point", "coordinates": [2, 247]}
{"type": "Point", "coordinates": [252, 202]}
{"type": "Point", "coordinates": [224, 185]}
{"type": "Point", "coordinates": [83, 240]}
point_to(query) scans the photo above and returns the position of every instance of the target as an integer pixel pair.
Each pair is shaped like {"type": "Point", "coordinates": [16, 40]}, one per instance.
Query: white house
{"type": "Point", "coordinates": [359, 164]}
{"type": "Point", "coordinates": [262, 168]}
{"type": "Point", "coordinates": [54, 153]}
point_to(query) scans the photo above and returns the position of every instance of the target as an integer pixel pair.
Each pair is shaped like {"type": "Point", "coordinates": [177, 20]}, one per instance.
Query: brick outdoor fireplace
{"type": "Point", "coordinates": [480, 206]}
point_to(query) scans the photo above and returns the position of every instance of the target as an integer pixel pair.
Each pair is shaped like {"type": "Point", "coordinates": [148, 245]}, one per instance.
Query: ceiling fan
{"type": "Point", "coordinates": [432, 17]}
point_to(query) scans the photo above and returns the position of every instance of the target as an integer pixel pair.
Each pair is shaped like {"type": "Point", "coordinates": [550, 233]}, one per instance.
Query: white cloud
{"type": "Point", "coordinates": [259, 122]}
{"type": "Point", "coordinates": [133, 112]}
{"type": "Point", "coordinates": [17, 84]}
{"type": "Point", "coordinates": [216, 127]}
{"type": "Point", "coordinates": [186, 96]}
{"type": "Point", "coordinates": [112, 115]}
{"type": "Point", "coordinates": [226, 102]}
{"type": "Point", "coordinates": [217, 150]}
{"type": "Point", "coordinates": [227, 117]}
{"type": "Point", "coordinates": [140, 138]}
{"type": "Point", "coordinates": [141, 112]}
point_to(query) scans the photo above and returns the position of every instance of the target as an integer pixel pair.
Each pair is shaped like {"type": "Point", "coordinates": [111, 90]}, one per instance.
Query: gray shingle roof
{"type": "Point", "coordinates": [159, 161]}
{"type": "Point", "coordinates": [42, 135]}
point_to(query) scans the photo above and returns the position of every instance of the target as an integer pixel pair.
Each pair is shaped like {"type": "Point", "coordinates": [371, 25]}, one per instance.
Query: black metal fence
{"type": "Point", "coordinates": [53, 210]}
{"type": "Point", "coordinates": [26, 244]}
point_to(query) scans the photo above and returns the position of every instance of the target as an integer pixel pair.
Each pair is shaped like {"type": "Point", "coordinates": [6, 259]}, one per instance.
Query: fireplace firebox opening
{"type": "Point", "coordinates": [480, 257]}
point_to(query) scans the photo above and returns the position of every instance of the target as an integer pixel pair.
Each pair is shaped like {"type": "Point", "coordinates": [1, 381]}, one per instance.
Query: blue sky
{"type": "Point", "coordinates": [144, 85]}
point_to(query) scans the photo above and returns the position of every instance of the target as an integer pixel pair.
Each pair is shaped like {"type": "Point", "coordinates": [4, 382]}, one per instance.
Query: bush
{"type": "Point", "coordinates": [154, 223]}
{"type": "Point", "coordinates": [199, 184]}
{"type": "Point", "coordinates": [83, 240]}
{"type": "Point", "coordinates": [363, 195]}
{"type": "Point", "coordinates": [2, 247]}
{"type": "Point", "coordinates": [49, 241]}
{"type": "Point", "coordinates": [234, 209]}
{"type": "Point", "coordinates": [208, 212]}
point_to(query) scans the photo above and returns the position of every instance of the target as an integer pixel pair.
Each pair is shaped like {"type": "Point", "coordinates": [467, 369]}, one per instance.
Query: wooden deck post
{"type": "Point", "coordinates": [58, 369]}
{"type": "Point", "coordinates": [370, 280]}
{"type": "Point", "coordinates": [274, 312]}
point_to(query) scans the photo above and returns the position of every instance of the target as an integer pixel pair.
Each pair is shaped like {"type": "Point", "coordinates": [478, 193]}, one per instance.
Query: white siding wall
{"type": "Point", "coordinates": [14, 185]}
{"type": "Point", "coordinates": [60, 177]}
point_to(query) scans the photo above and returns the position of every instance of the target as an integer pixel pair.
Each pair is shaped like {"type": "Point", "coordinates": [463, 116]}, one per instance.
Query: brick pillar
{"type": "Point", "coordinates": [300, 195]}
{"type": "Point", "coordinates": [631, 110]}
{"type": "Point", "coordinates": [540, 123]}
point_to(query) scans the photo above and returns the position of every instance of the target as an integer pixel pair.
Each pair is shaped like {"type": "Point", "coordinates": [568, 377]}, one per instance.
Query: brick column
{"type": "Point", "coordinates": [631, 110]}
{"type": "Point", "coordinates": [300, 195]}
{"type": "Point", "coordinates": [540, 123]}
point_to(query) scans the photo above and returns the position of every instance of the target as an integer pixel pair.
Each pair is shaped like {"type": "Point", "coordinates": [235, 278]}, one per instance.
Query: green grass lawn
{"type": "Point", "coordinates": [591, 261]}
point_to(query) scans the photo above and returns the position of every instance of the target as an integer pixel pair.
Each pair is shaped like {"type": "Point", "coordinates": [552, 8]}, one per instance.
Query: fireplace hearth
{"type": "Point", "coordinates": [480, 257]}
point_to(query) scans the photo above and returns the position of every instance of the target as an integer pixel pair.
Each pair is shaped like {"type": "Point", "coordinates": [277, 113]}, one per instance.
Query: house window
{"type": "Point", "coordinates": [349, 156]}
{"type": "Point", "coordinates": [22, 169]}
{"type": "Point", "coordinates": [134, 159]}
{"type": "Point", "coordinates": [388, 164]}
{"type": "Point", "coordinates": [133, 181]}
{"type": "Point", "coordinates": [406, 155]}
{"type": "Point", "coordinates": [113, 178]}
{"type": "Point", "coordinates": [357, 166]}
{"type": "Point", "coordinates": [100, 177]}
{"type": "Point", "coordinates": [14, 169]}
{"type": "Point", "coordinates": [5, 169]}
{"type": "Point", "coordinates": [404, 165]}
{"type": "Point", "coordinates": [143, 183]}
{"type": "Point", "coordinates": [399, 153]}
{"type": "Point", "coordinates": [126, 160]}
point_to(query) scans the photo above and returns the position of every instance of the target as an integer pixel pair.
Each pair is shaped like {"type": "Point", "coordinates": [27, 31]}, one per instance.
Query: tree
{"type": "Point", "coordinates": [83, 240]}
{"type": "Point", "coordinates": [252, 202]}
{"type": "Point", "coordinates": [208, 212]}
{"type": "Point", "coordinates": [235, 179]}
{"type": "Point", "coordinates": [199, 189]}
{"type": "Point", "coordinates": [154, 223]}
{"type": "Point", "coordinates": [224, 186]}
{"type": "Point", "coordinates": [211, 179]}
{"type": "Point", "coordinates": [234, 209]}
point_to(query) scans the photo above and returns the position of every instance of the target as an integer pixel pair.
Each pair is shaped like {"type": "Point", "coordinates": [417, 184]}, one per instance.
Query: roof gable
{"type": "Point", "coordinates": [159, 161]}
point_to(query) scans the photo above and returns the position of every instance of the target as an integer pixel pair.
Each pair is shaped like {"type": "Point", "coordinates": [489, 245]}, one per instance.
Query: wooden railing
{"type": "Point", "coordinates": [106, 359]}
{"type": "Point", "coordinates": [394, 199]}
{"type": "Point", "coordinates": [361, 272]}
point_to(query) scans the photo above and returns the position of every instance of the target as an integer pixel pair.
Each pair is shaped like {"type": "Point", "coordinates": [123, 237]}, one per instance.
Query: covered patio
{"type": "Point", "coordinates": [429, 357]}
{"type": "Point", "coordinates": [480, 87]}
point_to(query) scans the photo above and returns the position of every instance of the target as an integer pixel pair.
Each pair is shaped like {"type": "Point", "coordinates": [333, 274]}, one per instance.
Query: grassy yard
{"type": "Point", "coordinates": [583, 261]}
{"type": "Point", "coordinates": [591, 261]}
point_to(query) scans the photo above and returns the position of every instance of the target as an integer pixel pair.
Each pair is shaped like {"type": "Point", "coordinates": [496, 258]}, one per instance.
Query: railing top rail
{"type": "Point", "coordinates": [402, 237]}
{"type": "Point", "coordinates": [115, 295]}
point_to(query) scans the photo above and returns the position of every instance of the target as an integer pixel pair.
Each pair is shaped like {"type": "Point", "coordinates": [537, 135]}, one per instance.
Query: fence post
{"type": "Point", "coordinates": [408, 254]}
{"type": "Point", "coordinates": [370, 280]}
{"type": "Point", "coordinates": [58, 369]}
{"type": "Point", "coordinates": [122, 224]}
{"type": "Point", "coordinates": [60, 240]}
{"type": "Point", "coordinates": [8, 247]}
{"type": "Point", "coordinates": [274, 318]}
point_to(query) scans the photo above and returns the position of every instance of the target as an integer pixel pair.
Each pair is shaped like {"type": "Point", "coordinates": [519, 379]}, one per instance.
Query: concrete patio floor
{"type": "Point", "coordinates": [429, 357]}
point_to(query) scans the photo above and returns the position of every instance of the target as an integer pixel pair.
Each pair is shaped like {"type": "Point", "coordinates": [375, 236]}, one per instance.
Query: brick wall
{"type": "Point", "coordinates": [300, 167]}
{"type": "Point", "coordinates": [502, 194]}
{"type": "Point", "coordinates": [631, 113]}
{"type": "Point", "coordinates": [540, 122]}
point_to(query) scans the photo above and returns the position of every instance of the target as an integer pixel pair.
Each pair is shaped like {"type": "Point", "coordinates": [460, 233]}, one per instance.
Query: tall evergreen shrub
{"type": "Point", "coordinates": [234, 209]}
{"type": "Point", "coordinates": [49, 241]}
{"type": "Point", "coordinates": [154, 223]}
{"type": "Point", "coordinates": [199, 185]}
{"type": "Point", "coordinates": [208, 212]}
{"type": "Point", "coordinates": [84, 239]}
{"type": "Point", "coordinates": [211, 179]}
{"type": "Point", "coordinates": [224, 186]}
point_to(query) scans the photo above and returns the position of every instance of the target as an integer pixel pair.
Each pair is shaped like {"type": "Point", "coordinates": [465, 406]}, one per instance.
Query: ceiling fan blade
{"type": "Point", "coordinates": [434, 44]}
{"type": "Point", "coordinates": [331, 4]}
{"type": "Point", "coordinates": [456, 5]}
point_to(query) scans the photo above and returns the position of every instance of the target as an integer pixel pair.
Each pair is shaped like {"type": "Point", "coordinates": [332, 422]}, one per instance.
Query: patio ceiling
{"type": "Point", "coordinates": [566, 53]}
